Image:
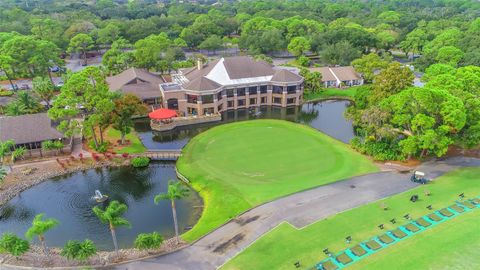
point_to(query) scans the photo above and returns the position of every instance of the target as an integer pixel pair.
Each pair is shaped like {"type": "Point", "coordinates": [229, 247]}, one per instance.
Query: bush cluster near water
{"type": "Point", "coordinates": [139, 162]}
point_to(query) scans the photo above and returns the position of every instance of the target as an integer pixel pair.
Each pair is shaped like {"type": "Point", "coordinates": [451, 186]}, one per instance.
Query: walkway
{"type": "Point", "coordinates": [300, 209]}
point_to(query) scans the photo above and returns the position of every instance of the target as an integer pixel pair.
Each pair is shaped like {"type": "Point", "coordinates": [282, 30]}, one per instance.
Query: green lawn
{"type": "Point", "coordinates": [326, 93]}
{"type": "Point", "coordinates": [135, 146]}
{"type": "Point", "coordinates": [451, 245]}
{"type": "Point", "coordinates": [241, 165]}
{"type": "Point", "coordinates": [284, 245]}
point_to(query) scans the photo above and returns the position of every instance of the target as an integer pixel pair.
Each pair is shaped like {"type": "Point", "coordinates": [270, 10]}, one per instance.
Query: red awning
{"type": "Point", "coordinates": [162, 114]}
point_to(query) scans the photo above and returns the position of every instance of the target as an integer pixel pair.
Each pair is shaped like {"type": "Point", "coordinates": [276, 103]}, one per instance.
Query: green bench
{"type": "Point", "coordinates": [457, 208]}
{"type": "Point", "coordinates": [344, 259]}
{"type": "Point", "coordinates": [399, 233]}
{"type": "Point", "coordinates": [329, 265]}
{"type": "Point", "coordinates": [385, 239]}
{"type": "Point", "coordinates": [358, 251]}
{"type": "Point", "coordinates": [434, 217]}
{"type": "Point", "coordinates": [373, 245]}
{"type": "Point", "coordinates": [445, 212]}
{"type": "Point", "coordinates": [422, 222]}
{"type": "Point", "coordinates": [412, 227]}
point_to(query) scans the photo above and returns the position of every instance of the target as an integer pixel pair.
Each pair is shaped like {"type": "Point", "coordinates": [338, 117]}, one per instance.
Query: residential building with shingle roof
{"type": "Point", "coordinates": [138, 82]}
{"type": "Point", "coordinates": [29, 131]}
{"type": "Point", "coordinates": [339, 76]}
{"type": "Point", "coordinates": [231, 83]}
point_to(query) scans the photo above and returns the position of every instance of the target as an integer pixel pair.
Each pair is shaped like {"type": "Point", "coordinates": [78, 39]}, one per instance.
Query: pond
{"type": "Point", "coordinates": [68, 199]}
{"type": "Point", "coordinates": [326, 116]}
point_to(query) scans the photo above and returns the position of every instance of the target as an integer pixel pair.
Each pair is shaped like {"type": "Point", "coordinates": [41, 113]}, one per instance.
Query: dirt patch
{"type": "Point", "coordinates": [244, 221]}
{"type": "Point", "coordinates": [227, 244]}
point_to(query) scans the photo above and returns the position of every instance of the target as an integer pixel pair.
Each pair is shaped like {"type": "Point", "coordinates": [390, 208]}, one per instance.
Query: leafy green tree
{"type": "Point", "coordinates": [312, 80]}
{"type": "Point", "coordinates": [390, 81]}
{"type": "Point", "coordinates": [390, 17]}
{"type": "Point", "coordinates": [48, 29]}
{"type": "Point", "coordinates": [117, 58]}
{"type": "Point", "coordinates": [85, 91]}
{"type": "Point", "coordinates": [81, 43]}
{"type": "Point", "coordinates": [148, 240]}
{"type": "Point", "coordinates": [108, 34]}
{"type": "Point", "coordinates": [386, 39]}
{"type": "Point", "coordinates": [449, 55]}
{"type": "Point", "coordinates": [81, 251]}
{"type": "Point", "coordinates": [428, 122]}
{"type": "Point", "coordinates": [341, 53]}
{"type": "Point", "coordinates": [437, 69]}
{"type": "Point", "coordinates": [39, 227]}
{"type": "Point", "coordinates": [176, 191]}
{"type": "Point", "coordinates": [112, 216]}
{"type": "Point", "coordinates": [414, 41]}
{"type": "Point", "coordinates": [52, 145]}
{"type": "Point", "coordinates": [212, 43]}
{"type": "Point", "coordinates": [149, 51]}
{"type": "Point", "coordinates": [298, 46]}
{"type": "Point", "coordinates": [369, 64]}
{"type": "Point", "coordinates": [44, 89]}
{"type": "Point", "coordinates": [125, 108]}
{"type": "Point", "coordinates": [6, 63]}
{"type": "Point", "coordinates": [13, 244]}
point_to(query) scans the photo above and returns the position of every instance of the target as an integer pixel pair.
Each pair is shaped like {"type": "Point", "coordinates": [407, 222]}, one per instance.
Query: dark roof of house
{"type": "Point", "coordinates": [240, 67]}
{"type": "Point", "coordinates": [28, 128]}
{"type": "Point", "coordinates": [201, 83]}
{"type": "Point", "coordinates": [284, 75]}
{"type": "Point", "coordinates": [136, 81]}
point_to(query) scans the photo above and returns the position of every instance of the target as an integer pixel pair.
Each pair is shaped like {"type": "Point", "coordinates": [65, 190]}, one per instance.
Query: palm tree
{"type": "Point", "coordinates": [15, 108]}
{"type": "Point", "coordinates": [175, 191]}
{"type": "Point", "coordinates": [112, 215]}
{"type": "Point", "coordinates": [18, 153]}
{"type": "Point", "coordinates": [39, 228]}
{"type": "Point", "coordinates": [5, 148]}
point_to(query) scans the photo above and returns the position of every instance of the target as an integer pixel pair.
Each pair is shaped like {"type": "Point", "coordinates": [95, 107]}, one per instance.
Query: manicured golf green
{"type": "Point", "coordinates": [283, 246]}
{"type": "Point", "coordinates": [453, 244]}
{"type": "Point", "coordinates": [241, 165]}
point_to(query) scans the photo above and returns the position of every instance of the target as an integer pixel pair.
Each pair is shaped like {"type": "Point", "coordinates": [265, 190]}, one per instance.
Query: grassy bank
{"type": "Point", "coordinates": [348, 93]}
{"type": "Point", "coordinates": [241, 165]}
{"type": "Point", "coordinates": [134, 145]}
{"type": "Point", "coordinates": [284, 245]}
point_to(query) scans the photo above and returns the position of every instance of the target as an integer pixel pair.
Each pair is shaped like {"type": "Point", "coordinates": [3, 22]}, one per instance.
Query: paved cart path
{"type": "Point", "coordinates": [300, 209]}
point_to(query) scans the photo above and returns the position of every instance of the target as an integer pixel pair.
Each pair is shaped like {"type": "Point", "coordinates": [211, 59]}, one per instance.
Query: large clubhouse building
{"type": "Point", "coordinates": [231, 83]}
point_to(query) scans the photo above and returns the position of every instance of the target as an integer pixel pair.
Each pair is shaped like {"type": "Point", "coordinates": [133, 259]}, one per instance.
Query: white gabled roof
{"type": "Point", "coordinates": [220, 75]}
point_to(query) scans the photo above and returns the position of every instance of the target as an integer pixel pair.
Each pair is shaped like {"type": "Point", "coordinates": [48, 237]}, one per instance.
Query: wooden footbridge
{"type": "Point", "coordinates": [162, 154]}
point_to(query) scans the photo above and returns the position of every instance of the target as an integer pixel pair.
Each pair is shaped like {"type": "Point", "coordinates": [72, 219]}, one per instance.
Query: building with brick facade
{"type": "Point", "coordinates": [231, 83]}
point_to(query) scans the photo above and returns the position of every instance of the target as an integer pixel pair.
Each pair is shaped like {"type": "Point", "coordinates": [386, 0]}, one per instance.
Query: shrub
{"type": "Point", "coordinates": [5, 93]}
{"type": "Point", "coordinates": [139, 162]}
{"type": "Point", "coordinates": [81, 251]}
{"type": "Point", "coordinates": [125, 155]}
{"type": "Point", "coordinates": [148, 240]}
{"type": "Point", "coordinates": [13, 244]}
{"type": "Point", "coordinates": [303, 61]}
{"type": "Point", "coordinates": [379, 150]}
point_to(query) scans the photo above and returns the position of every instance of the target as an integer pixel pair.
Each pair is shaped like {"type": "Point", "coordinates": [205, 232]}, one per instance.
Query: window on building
{"type": "Point", "coordinates": [277, 89]}
{"type": "Point", "coordinates": [230, 92]}
{"type": "Point", "coordinates": [263, 89]}
{"type": "Point", "coordinates": [220, 95]}
{"type": "Point", "coordinates": [208, 111]}
{"type": "Point", "coordinates": [241, 102]}
{"type": "Point", "coordinates": [241, 92]}
{"type": "Point", "coordinates": [230, 104]}
{"type": "Point", "coordinates": [253, 101]}
{"type": "Point", "coordinates": [291, 89]}
{"type": "Point", "coordinates": [263, 100]}
{"type": "Point", "coordinates": [277, 100]}
{"type": "Point", "coordinates": [252, 90]}
{"type": "Point", "coordinates": [207, 99]}
{"type": "Point", "coordinates": [192, 98]}
{"type": "Point", "coordinates": [192, 111]}
{"type": "Point", "coordinates": [291, 100]}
